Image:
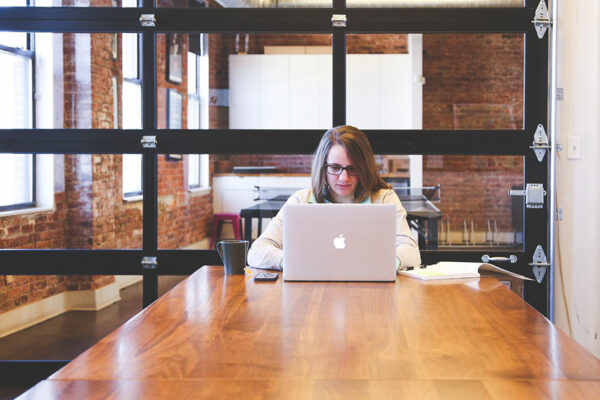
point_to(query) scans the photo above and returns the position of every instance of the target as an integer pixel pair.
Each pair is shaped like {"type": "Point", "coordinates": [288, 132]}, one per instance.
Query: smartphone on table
{"type": "Point", "coordinates": [266, 276]}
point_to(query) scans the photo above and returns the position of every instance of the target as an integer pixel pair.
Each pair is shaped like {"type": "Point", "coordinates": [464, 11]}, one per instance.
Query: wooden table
{"type": "Point", "coordinates": [231, 338]}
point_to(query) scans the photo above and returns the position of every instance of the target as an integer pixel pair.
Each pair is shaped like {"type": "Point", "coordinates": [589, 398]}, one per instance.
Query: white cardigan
{"type": "Point", "coordinates": [267, 250]}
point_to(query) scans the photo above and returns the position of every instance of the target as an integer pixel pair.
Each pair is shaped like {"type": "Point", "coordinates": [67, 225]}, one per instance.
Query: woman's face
{"type": "Point", "coordinates": [341, 187]}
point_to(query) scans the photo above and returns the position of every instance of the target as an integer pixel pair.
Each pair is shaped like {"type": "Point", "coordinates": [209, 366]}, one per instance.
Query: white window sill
{"type": "Point", "coordinates": [133, 199]}
{"type": "Point", "coordinates": [200, 191]}
{"type": "Point", "coordinates": [23, 211]}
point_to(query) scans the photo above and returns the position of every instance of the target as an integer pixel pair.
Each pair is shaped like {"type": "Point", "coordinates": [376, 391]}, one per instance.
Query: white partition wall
{"type": "Point", "coordinates": [379, 91]}
{"type": "Point", "coordinates": [293, 91]}
{"type": "Point", "coordinates": [275, 93]}
{"type": "Point", "coordinates": [244, 92]}
{"type": "Point", "coordinates": [310, 91]}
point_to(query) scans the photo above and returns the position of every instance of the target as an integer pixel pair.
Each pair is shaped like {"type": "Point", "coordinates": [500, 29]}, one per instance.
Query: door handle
{"type": "Point", "coordinates": [485, 258]}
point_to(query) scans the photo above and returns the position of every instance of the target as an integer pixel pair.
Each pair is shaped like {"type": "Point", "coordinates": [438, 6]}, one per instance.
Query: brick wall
{"type": "Point", "coordinates": [184, 217]}
{"type": "Point", "coordinates": [473, 82]}
{"type": "Point", "coordinates": [484, 71]}
{"type": "Point", "coordinates": [28, 289]}
{"type": "Point", "coordinates": [78, 192]}
{"type": "Point", "coordinates": [474, 188]}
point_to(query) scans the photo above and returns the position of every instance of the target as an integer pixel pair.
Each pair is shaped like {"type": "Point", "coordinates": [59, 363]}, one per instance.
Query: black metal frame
{"type": "Point", "coordinates": [218, 141]}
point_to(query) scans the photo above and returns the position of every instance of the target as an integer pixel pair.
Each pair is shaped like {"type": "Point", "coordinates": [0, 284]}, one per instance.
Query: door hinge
{"type": "Point", "coordinates": [149, 263]}
{"type": "Point", "coordinates": [541, 20]}
{"type": "Point", "coordinates": [539, 264]}
{"type": "Point", "coordinates": [338, 20]}
{"type": "Point", "coordinates": [148, 20]}
{"type": "Point", "coordinates": [149, 142]}
{"type": "Point", "coordinates": [540, 142]}
{"type": "Point", "coordinates": [534, 195]}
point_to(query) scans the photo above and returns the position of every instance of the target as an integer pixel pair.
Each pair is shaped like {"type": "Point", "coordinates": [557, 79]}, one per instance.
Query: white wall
{"type": "Point", "coordinates": [578, 247]}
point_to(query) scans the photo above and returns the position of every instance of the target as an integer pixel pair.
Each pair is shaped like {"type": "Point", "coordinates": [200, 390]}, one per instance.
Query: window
{"type": "Point", "coordinates": [198, 106]}
{"type": "Point", "coordinates": [16, 111]}
{"type": "Point", "coordinates": [132, 109]}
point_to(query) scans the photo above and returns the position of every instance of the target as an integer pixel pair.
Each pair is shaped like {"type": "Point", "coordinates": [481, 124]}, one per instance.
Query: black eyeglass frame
{"type": "Point", "coordinates": [354, 170]}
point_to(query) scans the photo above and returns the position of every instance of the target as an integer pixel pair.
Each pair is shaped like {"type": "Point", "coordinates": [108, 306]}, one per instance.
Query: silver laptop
{"type": "Point", "coordinates": [339, 242]}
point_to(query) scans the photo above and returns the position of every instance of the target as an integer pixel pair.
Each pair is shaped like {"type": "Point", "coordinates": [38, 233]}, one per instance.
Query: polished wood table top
{"type": "Point", "coordinates": [216, 336]}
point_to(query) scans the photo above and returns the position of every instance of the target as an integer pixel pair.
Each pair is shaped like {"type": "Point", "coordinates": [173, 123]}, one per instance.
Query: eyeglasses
{"type": "Point", "coordinates": [335, 169]}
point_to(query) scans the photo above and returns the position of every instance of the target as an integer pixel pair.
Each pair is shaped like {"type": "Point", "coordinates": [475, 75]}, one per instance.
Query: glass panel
{"type": "Point", "coordinates": [16, 179]}
{"type": "Point", "coordinates": [268, 3]}
{"type": "Point", "coordinates": [186, 217]}
{"type": "Point", "coordinates": [193, 113]}
{"type": "Point", "coordinates": [328, 3]}
{"type": "Point", "coordinates": [194, 172]}
{"type": "Point", "coordinates": [448, 82]}
{"type": "Point", "coordinates": [16, 40]}
{"type": "Point", "coordinates": [246, 81]}
{"type": "Point", "coordinates": [17, 92]}
{"type": "Point", "coordinates": [132, 105]}
{"type": "Point", "coordinates": [461, 200]}
{"type": "Point", "coordinates": [245, 3]}
{"type": "Point", "coordinates": [130, 55]}
{"type": "Point", "coordinates": [14, 3]}
{"type": "Point", "coordinates": [132, 175]}
{"type": "Point", "coordinates": [434, 3]}
{"type": "Point", "coordinates": [80, 80]}
{"type": "Point", "coordinates": [192, 72]}
{"type": "Point", "coordinates": [81, 207]}
{"type": "Point", "coordinates": [69, 3]}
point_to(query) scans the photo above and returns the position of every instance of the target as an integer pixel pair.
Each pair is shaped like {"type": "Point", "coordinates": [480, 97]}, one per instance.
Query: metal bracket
{"type": "Point", "coordinates": [539, 264]}
{"type": "Point", "coordinates": [541, 19]}
{"type": "Point", "coordinates": [149, 263]}
{"type": "Point", "coordinates": [338, 20]}
{"type": "Point", "coordinates": [148, 20]}
{"type": "Point", "coordinates": [540, 142]}
{"type": "Point", "coordinates": [534, 195]}
{"type": "Point", "coordinates": [149, 142]}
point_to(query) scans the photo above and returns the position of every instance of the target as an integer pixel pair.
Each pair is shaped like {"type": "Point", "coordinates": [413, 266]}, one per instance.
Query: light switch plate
{"type": "Point", "coordinates": [574, 148]}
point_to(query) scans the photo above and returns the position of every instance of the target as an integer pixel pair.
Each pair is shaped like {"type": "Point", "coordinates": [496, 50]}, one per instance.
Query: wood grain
{"type": "Point", "coordinates": [214, 335]}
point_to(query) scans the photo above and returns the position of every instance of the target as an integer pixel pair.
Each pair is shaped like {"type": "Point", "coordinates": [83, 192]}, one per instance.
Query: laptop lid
{"type": "Point", "coordinates": [339, 242]}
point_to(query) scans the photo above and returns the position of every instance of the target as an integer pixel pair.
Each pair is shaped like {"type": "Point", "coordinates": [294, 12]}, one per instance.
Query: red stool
{"type": "Point", "coordinates": [218, 220]}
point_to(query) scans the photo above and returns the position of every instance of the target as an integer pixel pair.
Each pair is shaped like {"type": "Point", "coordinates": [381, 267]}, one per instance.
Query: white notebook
{"type": "Point", "coordinates": [454, 270]}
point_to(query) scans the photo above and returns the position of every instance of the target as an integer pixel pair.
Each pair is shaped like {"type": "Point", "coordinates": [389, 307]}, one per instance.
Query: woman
{"type": "Point", "coordinates": [343, 171]}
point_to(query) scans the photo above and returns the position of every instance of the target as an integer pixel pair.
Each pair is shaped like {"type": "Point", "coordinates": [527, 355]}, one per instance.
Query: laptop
{"type": "Point", "coordinates": [339, 242]}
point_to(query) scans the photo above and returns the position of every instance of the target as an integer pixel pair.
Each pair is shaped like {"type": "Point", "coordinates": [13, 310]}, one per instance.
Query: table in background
{"type": "Point", "coordinates": [228, 337]}
{"type": "Point", "coordinates": [422, 215]}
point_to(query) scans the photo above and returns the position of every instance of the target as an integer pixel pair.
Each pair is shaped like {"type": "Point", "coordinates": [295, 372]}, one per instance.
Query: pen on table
{"type": "Point", "coordinates": [422, 266]}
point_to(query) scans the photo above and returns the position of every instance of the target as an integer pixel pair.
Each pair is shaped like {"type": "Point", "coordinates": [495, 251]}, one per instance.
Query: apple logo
{"type": "Point", "coordinates": [339, 242]}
